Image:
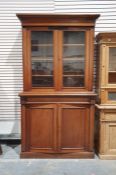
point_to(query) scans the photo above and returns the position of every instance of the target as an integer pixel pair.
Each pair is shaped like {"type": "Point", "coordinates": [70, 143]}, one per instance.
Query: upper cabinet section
{"type": "Point", "coordinates": [58, 52]}
{"type": "Point", "coordinates": [107, 44]}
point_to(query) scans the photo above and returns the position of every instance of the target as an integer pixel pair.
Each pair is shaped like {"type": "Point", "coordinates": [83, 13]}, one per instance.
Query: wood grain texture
{"type": "Point", "coordinates": [106, 144]}
{"type": "Point", "coordinates": [57, 122]}
{"type": "Point", "coordinates": [73, 120]}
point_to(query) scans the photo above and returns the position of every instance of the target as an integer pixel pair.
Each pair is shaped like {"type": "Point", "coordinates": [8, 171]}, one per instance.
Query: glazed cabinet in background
{"type": "Point", "coordinates": [106, 108]}
{"type": "Point", "coordinates": [58, 98]}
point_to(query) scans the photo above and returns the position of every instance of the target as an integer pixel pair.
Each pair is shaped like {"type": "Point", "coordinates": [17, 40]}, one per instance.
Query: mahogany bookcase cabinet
{"type": "Point", "coordinates": [58, 98]}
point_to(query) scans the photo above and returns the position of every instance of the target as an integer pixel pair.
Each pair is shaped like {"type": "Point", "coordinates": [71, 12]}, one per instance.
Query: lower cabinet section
{"type": "Point", "coordinates": [57, 130]}
{"type": "Point", "coordinates": [107, 134]}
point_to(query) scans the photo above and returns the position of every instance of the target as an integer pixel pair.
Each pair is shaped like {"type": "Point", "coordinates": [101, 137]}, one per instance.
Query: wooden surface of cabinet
{"type": "Point", "coordinates": [58, 98]}
{"type": "Point", "coordinates": [56, 127]}
{"type": "Point", "coordinates": [107, 95]}
{"type": "Point", "coordinates": [107, 68]}
{"type": "Point", "coordinates": [106, 132]}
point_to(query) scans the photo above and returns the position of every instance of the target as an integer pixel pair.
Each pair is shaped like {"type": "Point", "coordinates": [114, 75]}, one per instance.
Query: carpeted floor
{"type": "Point", "coordinates": [11, 164]}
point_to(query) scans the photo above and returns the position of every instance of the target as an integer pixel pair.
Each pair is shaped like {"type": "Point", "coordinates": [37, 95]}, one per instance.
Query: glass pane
{"type": "Point", "coordinates": [73, 58]}
{"type": "Point", "coordinates": [73, 67]}
{"type": "Point", "coordinates": [112, 95]}
{"type": "Point", "coordinates": [45, 81]}
{"type": "Point", "coordinates": [42, 67]}
{"type": "Point", "coordinates": [73, 81]}
{"type": "Point", "coordinates": [42, 58]}
{"type": "Point", "coordinates": [112, 65]}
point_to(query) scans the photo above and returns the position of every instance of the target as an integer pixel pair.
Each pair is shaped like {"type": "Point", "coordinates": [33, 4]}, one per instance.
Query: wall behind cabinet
{"type": "Point", "coordinates": [11, 47]}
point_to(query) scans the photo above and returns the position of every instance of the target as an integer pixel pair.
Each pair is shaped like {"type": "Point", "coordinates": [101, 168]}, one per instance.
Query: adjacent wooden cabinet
{"type": "Point", "coordinates": [58, 98]}
{"type": "Point", "coordinates": [107, 96]}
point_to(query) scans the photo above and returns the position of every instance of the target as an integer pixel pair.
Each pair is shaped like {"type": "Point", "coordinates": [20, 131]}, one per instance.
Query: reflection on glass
{"type": "Point", "coordinates": [73, 58]}
{"type": "Point", "coordinates": [73, 81]}
{"type": "Point", "coordinates": [44, 81]}
{"type": "Point", "coordinates": [73, 67]}
{"type": "Point", "coordinates": [112, 96]}
{"type": "Point", "coordinates": [42, 68]}
{"type": "Point", "coordinates": [74, 37]}
{"type": "Point", "coordinates": [112, 65]}
{"type": "Point", "coordinates": [42, 58]}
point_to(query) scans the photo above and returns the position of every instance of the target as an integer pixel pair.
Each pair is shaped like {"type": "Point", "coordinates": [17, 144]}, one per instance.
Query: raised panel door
{"type": "Point", "coordinates": [41, 124]}
{"type": "Point", "coordinates": [74, 127]}
{"type": "Point", "coordinates": [109, 132]}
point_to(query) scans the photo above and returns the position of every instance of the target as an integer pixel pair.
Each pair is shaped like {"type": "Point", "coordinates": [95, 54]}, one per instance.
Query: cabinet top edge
{"type": "Point", "coordinates": [106, 35]}
{"type": "Point", "coordinates": [26, 15]}
{"type": "Point", "coordinates": [30, 19]}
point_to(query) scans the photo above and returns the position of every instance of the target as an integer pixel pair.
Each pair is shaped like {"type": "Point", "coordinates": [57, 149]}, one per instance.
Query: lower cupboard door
{"type": "Point", "coordinates": [41, 127]}
{"type": "Point", "coordinates": [73, 128]}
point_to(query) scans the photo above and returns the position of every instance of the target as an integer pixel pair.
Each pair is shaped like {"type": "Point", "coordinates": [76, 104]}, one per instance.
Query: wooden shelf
{"type": "Point", "coordinates": [38, 75]}
{"type": "Point", "coordinates": [73, 75]}
{"type": "Point", "coordinates": [42, 45]}
{"type": "Point", "coordinates": [73, 44]}
{"type": "Point", "coordinates": [112, 71]}
{"type": "Point", "coordinates": [41, 59]}
{"type": "Point", "coordinates": [74, 59]}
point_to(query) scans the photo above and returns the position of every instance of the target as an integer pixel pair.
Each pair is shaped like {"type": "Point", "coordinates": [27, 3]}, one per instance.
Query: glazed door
{"type": "Point", "coordinates": [74, 127]}
{"type": "Point", "coordinates": [73, 56]}
{"type": "Point", "coordinates": [40, 126]}
{"type": "Point", "coordinates": [111, 66]}
{"type": "Point", "coordinates": [74, 60]}
{"type": "Point", "coordinates": [42, 59]}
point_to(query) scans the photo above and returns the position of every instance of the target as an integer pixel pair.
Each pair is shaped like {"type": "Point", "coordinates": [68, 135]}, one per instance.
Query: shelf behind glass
{"type": "Point", "coordinates": [42, 59]}
{"type": "Point", "coordinates": [42, 45]}
{"type": "Point", "coordinates": [42, 81]}
{"type": "Point", "coordinates": [71, 75]}
{"type": "Point", "coordinates": [72, 81]}
{"type": "Point", "coordinates": [42, 68]}
{"type": "Point", "coordinates": [73, 67]}
{"type": "Point", "coordinates": [78, 45]}
{"type": "Point", "coordinates": [73, 59]}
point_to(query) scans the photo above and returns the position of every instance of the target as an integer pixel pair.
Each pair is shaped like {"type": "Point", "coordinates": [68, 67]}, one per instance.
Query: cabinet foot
{"type": "Point", "coordinates": [107, 157]}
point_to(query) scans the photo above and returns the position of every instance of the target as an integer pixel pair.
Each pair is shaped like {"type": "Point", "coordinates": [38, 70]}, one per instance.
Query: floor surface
{"type": "Point", "coordinates": [11, 164]}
